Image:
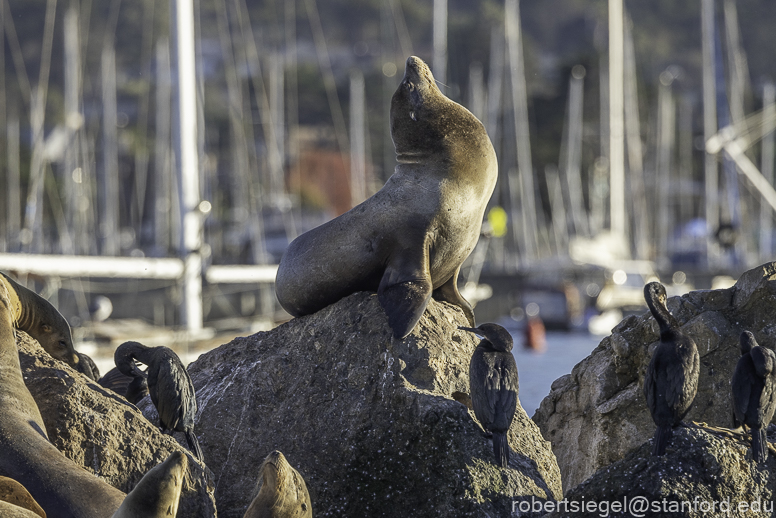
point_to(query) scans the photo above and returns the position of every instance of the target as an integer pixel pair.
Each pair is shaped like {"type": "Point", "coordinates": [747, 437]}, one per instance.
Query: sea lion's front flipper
{"type": "Point", "coordinates": [404, 298]}
{"type": "Point", "coordinates": [448, 292]}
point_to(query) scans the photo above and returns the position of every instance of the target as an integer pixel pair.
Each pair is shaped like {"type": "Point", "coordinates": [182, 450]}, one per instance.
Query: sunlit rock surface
{"type": "Point", "coordinates": [597, 414]}
{"type": "Point", "coordinates": [370, 422]}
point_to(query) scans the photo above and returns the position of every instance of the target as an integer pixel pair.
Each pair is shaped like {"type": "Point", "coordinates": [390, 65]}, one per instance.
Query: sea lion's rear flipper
{"type": "Point", "coordinates": [448, 292]}
{"type": "Point", "coordinates": [403, 299]}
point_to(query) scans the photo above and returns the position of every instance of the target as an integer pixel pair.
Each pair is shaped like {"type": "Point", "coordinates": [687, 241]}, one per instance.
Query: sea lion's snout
{"type": "Point", "coordinates": [416, 71]}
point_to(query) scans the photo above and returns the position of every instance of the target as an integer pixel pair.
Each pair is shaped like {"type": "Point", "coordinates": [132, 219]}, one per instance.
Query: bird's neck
{"type": "Point", "coordinates": [665, 320]}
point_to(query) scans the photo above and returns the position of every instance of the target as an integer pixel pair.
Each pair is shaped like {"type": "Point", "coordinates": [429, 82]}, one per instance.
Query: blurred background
{"type": "Point", "coordinates": [606, 118]}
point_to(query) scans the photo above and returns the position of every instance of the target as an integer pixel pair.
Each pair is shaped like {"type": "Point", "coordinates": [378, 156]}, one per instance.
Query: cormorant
{"type": "Point", "coordinates": [169, 385]}
{"type": "Point", "coordinates": [754, 392]}
{"type": "Point", "coordinates": [133, 388]}
{"type": "Point", "coordinates": [672, 375]}
{"type": "Point", "coordinates": [493, 385]}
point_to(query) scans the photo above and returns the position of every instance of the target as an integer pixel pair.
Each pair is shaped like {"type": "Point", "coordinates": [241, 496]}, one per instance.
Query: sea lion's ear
{"type": "Point", "coordinates": [46, 328]}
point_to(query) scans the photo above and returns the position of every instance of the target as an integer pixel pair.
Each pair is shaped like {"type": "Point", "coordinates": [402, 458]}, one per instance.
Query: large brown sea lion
{"type": "Point", "coordinates": [282, 492]}
{"type": "Point", "coordinates": [40, 319]}
{"type": "Point", "coordinates": [60, 487]}
{"type": "Point", "coordinates": [408, 241]}
{"type": "Point", "coordinates": [158, 492]}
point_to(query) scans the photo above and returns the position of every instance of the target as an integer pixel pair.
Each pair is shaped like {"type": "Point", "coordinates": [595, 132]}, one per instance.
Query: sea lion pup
{"type": "Point", "coordinates": [133, 388]}
{"type": "Point", "coordinates": [40, 319]}
{"type": "Point", "coordinates": [158, 492]}
{"type": "Point", "coordinates": [282, 492]}
{"type": "Point", "coordinates": [14, 493]}
{"type": "Point", "coordinates": [60, 487]}
{"type": "Point", "coordinates": [408, 241]}
{"type": "Point", "coordinates": [169, 385]}
{"type": "Point", "coordinates": [672, 374]}
{"type": "Point", "coordinates": [754, 392]}
{"type": "Point", "coordinates": [493, 383]}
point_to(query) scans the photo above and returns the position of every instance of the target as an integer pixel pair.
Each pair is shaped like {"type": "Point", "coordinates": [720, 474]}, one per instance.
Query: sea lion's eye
{"type": "Point", "coordinates": [412, 116]}
{"type": "Point", "coordinates": [410, 86]}
{"type": "Point", "coordinates": [63, 344]}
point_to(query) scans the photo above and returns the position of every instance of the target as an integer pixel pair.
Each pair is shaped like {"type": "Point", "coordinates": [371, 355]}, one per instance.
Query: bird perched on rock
{"type": "Point", "coordinates": [754, 392]}
{"type": "Point", "coordinates": [493, 385]}
{"type": "Point", "coordinates": [169, 385]}
{"type": "Point", "coordinates": [133, 388]}
{"type": "Point", "coordinates": [672, 375]}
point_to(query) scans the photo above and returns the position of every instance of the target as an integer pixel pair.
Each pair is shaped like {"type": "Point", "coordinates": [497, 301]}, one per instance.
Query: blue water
{"type": "Point", "coordinates": [537, 371]}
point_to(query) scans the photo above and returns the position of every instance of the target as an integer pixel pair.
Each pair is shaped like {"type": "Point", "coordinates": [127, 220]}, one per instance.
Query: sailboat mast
{"type": "Point", "coordinates": [616, 122]}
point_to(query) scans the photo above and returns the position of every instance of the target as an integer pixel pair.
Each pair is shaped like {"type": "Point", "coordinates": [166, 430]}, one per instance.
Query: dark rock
{"type": "Point", "coordinates": [702, 474]}
{"type": "Point", "coordinates": [99, 430]}
{"type": "Point", "coordinates": [598, 414]}
{"type": "Point", "coordinates": [370, 422]}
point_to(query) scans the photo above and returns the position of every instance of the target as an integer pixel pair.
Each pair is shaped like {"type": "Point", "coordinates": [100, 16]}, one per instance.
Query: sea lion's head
{"type": "Point", "coordinates": [281, 490]}
{"type": "Point", "coordinates": [416, 107]}
{"type": "Point", "coordinates": [427, 125]}
{"type": "Point", "coordinates": [52, 332]}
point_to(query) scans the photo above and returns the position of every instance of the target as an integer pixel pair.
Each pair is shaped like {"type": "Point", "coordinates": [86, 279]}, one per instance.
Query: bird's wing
{"type": "Point", "coordinates": [170, 393]}
{"type": "Point", "coordinates": [650, 389]}
{"type": "Point", "coordinates": [741, 387]}
{"type": "Point", "coordinates": [683, 376]}
{"type": "Point", "coordinates": [763, 360]}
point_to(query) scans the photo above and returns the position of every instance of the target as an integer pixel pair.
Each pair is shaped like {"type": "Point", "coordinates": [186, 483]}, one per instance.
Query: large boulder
{"type": "Point", "coordinates": [597, 414]}
{"type": "Point", "coordinates": [702, 474]}
{"type": "Point", "coordinates": [102, 432]}
{"type": "Point", "coordinates": [370, 422]}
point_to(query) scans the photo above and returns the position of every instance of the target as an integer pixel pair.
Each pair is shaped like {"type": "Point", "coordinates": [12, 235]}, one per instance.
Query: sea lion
{"type": "Point", "coordinates": [493, 383]}
{"type": "Point", "coordinates": [60, 487]}
{"type": "Point", "coordinates": [282, 492]}
{"type": "Point", "coordinates": [754, 392]}
{"type": "Point", "coordinates": [408, 241]}
{"type": "Point", "coordinates": [672, 375]}
{"type": "Point", "coordinates": [158, 492]}
{"type": "Point", "coordinates": [14, 493]}
{"type": "Point", "coordinates": [169, 385]}
{"type": "Point", "coordinates": [40, 319]}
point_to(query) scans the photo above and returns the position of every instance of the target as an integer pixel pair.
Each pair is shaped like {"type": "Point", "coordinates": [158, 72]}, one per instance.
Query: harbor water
{"type": "Point", "coordinates": [538, 370]}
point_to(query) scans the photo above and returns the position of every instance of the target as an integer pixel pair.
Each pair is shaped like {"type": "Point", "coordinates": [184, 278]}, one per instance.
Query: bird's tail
{"type": "Point", "coordinates": [759, 445]}
{"type": "Point", "coordinates": [194, 445]}
{"type": "Point", "coordinates": [663, 434]}
{"type": "Point", "coordinates": [501, 448]}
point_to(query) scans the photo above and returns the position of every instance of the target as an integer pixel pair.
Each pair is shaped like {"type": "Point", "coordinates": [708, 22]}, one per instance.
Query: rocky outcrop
{"type": "Point", "coordinates": [703, 474]}
{"type": "Point", "coordinates": [597, 414]}
{"type": "Point", "coordinates": [370, 422]}
{"type": "Point", "coordinates": [101, 431]}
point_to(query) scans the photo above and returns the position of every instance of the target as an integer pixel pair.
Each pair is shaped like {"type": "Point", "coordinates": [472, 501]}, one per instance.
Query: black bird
{"type": "Point", "coordinates": [133, 388]}
{"type": "Point", "coordinates": [169, 385]}
{"type": "Point", "coordinates": [87, 366]}
{"type": "Point", "coordinates": [493, 385]}
{"type": "Point", "coordinates": [672, 375]}
{"type": "Point", "coordinates": [754, 392]}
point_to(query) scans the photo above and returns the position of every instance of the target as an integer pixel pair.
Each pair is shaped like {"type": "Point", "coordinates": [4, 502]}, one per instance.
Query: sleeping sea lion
{"type": "Point", "coordinates": [60, 487]}
{"type": "Point", "coordinates": [40, 319]}
{"type": "Point", "coordinates": [408, 241]}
